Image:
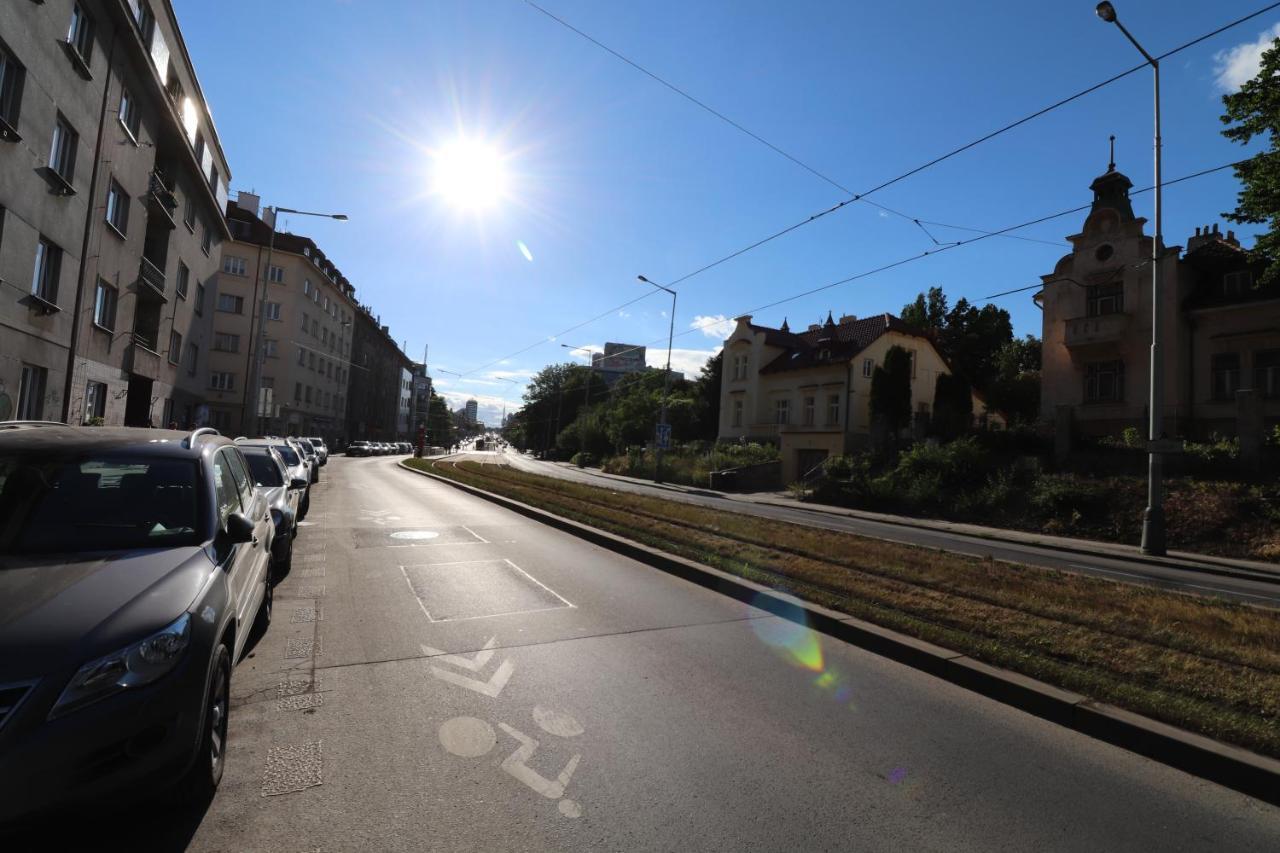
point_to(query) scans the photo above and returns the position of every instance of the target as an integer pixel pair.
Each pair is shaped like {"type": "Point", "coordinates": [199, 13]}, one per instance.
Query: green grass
{"type": "Point", "coordinates": [1203, 664]}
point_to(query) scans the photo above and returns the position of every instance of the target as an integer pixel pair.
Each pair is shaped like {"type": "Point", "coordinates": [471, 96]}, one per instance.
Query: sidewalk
{"type": "Point", "coordinates": [1090, 547]}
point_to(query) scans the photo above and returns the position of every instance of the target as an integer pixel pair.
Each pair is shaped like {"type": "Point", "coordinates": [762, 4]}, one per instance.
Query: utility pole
{"type": "Point", "coordinates": [664, 429]}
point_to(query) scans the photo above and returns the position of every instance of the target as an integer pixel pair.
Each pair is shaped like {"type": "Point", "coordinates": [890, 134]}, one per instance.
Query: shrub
{"type": "Point", "coordinates": [582, 459]}
{"type": "Point", "coordinates": [1069, 497]}
{"type": "Point", "coordinates": [1217, 449]}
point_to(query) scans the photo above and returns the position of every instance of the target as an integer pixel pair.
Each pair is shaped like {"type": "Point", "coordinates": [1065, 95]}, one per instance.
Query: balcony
{"type": "Point", "coordinates": [1082, 334]}
{"type": "Point", "coordinates": [161, 201]}
{"type": "Point", "coordinates": [141, 358]}
{"type": "Point", "coordinates": [150, 281]}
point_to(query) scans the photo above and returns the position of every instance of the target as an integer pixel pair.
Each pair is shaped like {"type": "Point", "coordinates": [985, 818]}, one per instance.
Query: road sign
{"type": "Point", "coordinates": [664, 436]}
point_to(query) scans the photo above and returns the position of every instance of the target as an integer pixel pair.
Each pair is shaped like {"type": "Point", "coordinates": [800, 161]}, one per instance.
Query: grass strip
{"type": "Point", "coordinates": [1203, 664]}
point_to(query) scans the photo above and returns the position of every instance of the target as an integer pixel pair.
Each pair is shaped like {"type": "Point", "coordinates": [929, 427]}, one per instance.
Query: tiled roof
{"type": "Point", "coordinates": [846, 340]}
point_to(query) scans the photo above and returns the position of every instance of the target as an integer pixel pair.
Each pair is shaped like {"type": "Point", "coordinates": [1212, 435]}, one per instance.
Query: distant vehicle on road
{"type": "Point", "coordinates": [479, 444]}
{"type": "Point", "coordinates": [133, 565]}
{"type": "Point", "coordinates": [322, 450]}
{"type": "Point", "coordinates": [359, 448]}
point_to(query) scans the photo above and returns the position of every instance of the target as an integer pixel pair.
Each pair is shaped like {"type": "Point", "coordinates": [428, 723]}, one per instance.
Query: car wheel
{"type": "Point", "coordinates": [282, 565]}
{"type": "Point", "coordinates": [263, 620]}
{"type": "Point", "coordinates": [202, 779]}
{"type": "Point", "coordinates": [305, 505]}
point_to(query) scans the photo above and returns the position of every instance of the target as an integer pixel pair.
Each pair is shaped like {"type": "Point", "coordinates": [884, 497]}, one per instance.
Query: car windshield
{"type": "Point", "coordinates": [264, 469]}
{"type": "Point", "coordinates": [61, 503]}
{"type": "Point", "coordinates": [288, 455]}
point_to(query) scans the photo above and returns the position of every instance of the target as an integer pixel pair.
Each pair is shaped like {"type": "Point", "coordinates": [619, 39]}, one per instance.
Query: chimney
{"type": "Point", "coordinates": [248, 201]}
{"type": "Point", "coordinates": [847, 318]}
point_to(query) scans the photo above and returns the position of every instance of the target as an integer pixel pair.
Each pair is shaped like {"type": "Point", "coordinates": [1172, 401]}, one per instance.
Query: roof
{"type": "Point", "coordinates": [260, 234]}
{"type": "Point", "coordinates": [140, 440]}
{"type": "Point", "coordinates": [832, 343]}
{"type": "Point", "coordinates": [1211, 261]}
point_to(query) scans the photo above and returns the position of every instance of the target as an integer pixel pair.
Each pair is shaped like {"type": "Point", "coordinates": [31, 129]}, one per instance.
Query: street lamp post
{"type": "Point", "coordinates": [666, 383]}
{"type": "Point", "coordinates": [259, 359]}
{"type": "Point", "coordinates": [1153, 528]}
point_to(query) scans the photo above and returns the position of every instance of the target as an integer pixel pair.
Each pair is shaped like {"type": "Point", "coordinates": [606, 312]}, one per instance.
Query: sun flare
{"type": "Point", "coordinates": [469, 174]}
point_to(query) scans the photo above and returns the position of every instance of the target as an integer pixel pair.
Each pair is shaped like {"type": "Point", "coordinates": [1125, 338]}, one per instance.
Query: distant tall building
{"type": "Point", "coordinates": [618, 360]}
{"type": "Point", "coordinates": [421, 397]}
{"type": "Point", "coordinates": [473, 412]}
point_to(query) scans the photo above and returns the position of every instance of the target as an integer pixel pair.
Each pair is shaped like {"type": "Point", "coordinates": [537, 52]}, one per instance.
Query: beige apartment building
{"type": "Point", "coordinates": [306, 359]}
{"type": "Point", "coordinates": [112, 183]}
{"type": "Point", "coordinates": [1221, 328]}
{"type": "Point", "coordinates": [809, 392]}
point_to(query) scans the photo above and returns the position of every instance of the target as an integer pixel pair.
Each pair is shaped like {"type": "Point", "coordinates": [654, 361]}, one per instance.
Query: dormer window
{"type": "Point", "coordinates": [1236, 283]}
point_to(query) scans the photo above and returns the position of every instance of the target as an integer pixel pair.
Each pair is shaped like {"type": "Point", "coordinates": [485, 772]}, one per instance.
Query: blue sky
{"type": "Point", "coordinates": [338, 105]}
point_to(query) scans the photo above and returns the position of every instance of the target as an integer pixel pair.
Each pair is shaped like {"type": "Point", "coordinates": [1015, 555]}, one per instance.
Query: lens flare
{"type": "Point", "coordinates": [790, 636]}
{"type": "Point", "coordinates": [524, 250]}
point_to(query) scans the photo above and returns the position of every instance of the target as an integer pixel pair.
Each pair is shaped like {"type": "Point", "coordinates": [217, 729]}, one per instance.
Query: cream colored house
{"type": "Point", "coordinates": [809, 392]}
{"type": "Point", "coordinates": [1221, 341]}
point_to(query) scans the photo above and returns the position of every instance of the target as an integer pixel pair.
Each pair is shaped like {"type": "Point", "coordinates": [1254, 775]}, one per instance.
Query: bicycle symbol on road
{"type": "Point", "coordinates": [472, 737]}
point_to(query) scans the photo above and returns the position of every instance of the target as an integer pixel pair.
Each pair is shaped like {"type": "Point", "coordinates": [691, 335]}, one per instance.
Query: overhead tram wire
{"type": "Point", "coordinates": [861, 196]}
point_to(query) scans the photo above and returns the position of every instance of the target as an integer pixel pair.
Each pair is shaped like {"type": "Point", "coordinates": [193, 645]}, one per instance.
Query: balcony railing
{"type": "Point", "coordinates": [150, 277]}
{"type": "Point", "coordinates": [1083, 332]}
{"type": "Point", "coordinates": [161, 200]}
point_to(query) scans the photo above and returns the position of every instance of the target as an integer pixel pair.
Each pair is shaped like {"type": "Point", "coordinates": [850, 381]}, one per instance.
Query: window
{"type": "Point", "coordinates": [225, 488]}
{"type": "Point", "coordinates": [223, 342]}
{"type": "Point", "coordinates": [190, 357]}
{"type": "Point", "coordinates": [302, 357]}
{"type": "Point", "coordinates": [1236, 283]}
{"type": "Point", "coordinates": [233, 265]}
{"type": "Point", "coordinates": [297, 392]}
{"type": "Point", "coordinates": [912, 354]}
{"type": "Point", "coordinates": [130, 114]}
{"type": "Point", "coordinates": [273, 310]}
{"type": "Point", "coordinates": [213, 179]}
{"type": "Point", "coordinates": [833, 410]}
{"type": "Point", "coordinates": [117, 208]}
{"type": "Point", "coordinates": [782, 411]}
{"type": "Point", "coordinates": [48, 267]}
{"type": "Point", "coordinates": [269, 348]}
{"type": "Point", "coordinates": [175, 347]}
{"type": "Point", "coordinates": [275, 274]}
{"type": "Point", "coordinates": [31, 393]}
{"type": "Point", "coordinates": [306, 324]}
{"type": "Point", "coordinates": [206, 238]}
{"type": "Point", "coordinates": [199, 306]}
{"type": "Point", "coordinates": [809, 410]}
{"type": "Point", "coordinates": [322, 366]}
{"type": "Point", "coordinates": [1225, 375]}
{"type": "Point", "coordinates": [104, 305]}
{"type": "Point", "coordinates": [222, 381]}
{"type": "Point", "coordinates": [184, 278]}
{"type": "Point", "coordinates": [1104, 299]}
{"type": "Point", "coordinates": [307, 398]}
{"type": "Point", "coordinates": [311, 360]}
{"type": "Point", "coordinates": [95, 400]}
{"type": "Point", "coordinates": [737, 413]}
{"type": "Point", "coordinates": [1266, 372]}
{"type": "Point", "coordinates": [231, 304]}
{"type": "Point", "coordinates": [868, 367]}
{"type": "Point", "coordinates": [11, 78]}
{"type": "Point", "coordinates": [331, 370]}
{"type": "Point", "coordinates": [1104, 382]}
{"type": "Point", "coordinates": [325, 303]}
{"type": "Point", "coordinates": [199, 147]}
{"type": "Point", "coordinates": [80, 34]}
{"type": "Point", "coordinates": [306, 287]}
{"type": "Point", "coordinates": [62, 153]}
{"type": "Point", "coordinates": [324, 336]}
{"type": "Point", "coordinates": [189, 212]}
{"type": "Point", "coordinates": [144, 19]}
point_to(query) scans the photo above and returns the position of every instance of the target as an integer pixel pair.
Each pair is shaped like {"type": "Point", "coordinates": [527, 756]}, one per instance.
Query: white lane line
{"type": "Point", "coordinates": [414, 593]}
{"type": "Point", "coordinates": [1174, 582]}
{"type": "Point", "coordinates": [535, 580]}
{"type": "Point", "coordinates": [477, 535]}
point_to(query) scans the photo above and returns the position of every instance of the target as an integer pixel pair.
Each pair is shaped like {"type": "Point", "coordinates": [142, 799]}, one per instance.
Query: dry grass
{"type": "Point", "coordinates": [1202, 664]}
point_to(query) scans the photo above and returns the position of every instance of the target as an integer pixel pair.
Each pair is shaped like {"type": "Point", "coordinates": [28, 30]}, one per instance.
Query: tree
{"type": "Point", "coordinates": [927, 313]}
{"type": "Point", "coordinates": [1015, 391]}
{"type": "Point", "coordinates": [891, 391]}
{"type": "Point", "coordinates": [1255, 111]}
{"type": "Point", "coordinates": [440, 429]}
{"type": "Point", "coordinates": [952, 406]}
{"type": "Point", "coordinates": [706, 389]}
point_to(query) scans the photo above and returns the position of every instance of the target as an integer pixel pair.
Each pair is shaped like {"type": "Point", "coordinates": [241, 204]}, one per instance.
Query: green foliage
{"type": "Point", "coordinates": [692, 463]}
{"type": "Point", "coordinates": [952, 406]}
{"type": "Point", "coordinates": [95, 421]}
{"type": "Point", "coordinates": [1216, 450]}
{"type": "Point", "coordinates": [440, 429]}
{"type": "Point", "coordinates": [891, 391]}
{"type": "Point", "coordinates": [1254, 111]}
{"type": "Point", "coordinates": [1274, 438]}
{"type": "Point", "coordinates": [1130, 438]}
{"type": "Point", "coordinates": [582, 460]}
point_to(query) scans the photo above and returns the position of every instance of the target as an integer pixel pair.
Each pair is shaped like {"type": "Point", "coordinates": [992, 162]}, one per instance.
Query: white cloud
{"type": "Point", "coordinates": [624, 314]}
{"type": "Point", "coordinates": [1235, 66]}
{"type": "Point", "coordinates": [686, 361]}
{"type": "Point", "coordinates": [714, 326]}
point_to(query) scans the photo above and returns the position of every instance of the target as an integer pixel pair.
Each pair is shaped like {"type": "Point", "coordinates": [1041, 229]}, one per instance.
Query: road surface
{"type": "Point", "coordinates": [443, 674]}
{"type": "Point", "coordinates": [1247, 587]}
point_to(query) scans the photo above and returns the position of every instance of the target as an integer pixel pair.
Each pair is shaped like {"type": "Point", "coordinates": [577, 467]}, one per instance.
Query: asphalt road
{"type": "Point", "coordinates": [442, 674]}
{"type": "Point", "coordinates": [1249, 588]}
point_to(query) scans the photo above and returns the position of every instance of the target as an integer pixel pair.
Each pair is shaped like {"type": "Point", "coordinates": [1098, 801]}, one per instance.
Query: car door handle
{"type": "Point", "coordinates": [255, 540]}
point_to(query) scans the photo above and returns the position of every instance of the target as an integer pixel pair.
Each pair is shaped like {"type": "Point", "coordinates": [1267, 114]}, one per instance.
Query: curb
{"type": "Point", "coordinates": [1230, 766]}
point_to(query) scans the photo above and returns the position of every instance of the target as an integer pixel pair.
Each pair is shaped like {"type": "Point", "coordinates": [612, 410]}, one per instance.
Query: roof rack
{"type": "Point", "coordinates": [196, 433]}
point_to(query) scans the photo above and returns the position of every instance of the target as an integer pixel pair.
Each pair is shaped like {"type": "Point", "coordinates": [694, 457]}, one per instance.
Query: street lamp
{"type": "Point", "coordinates": [663, 430]}
{"type": "Point", "coordinates": [259, 360]}
{"type": "Point", "coordinates": [1153, 529]}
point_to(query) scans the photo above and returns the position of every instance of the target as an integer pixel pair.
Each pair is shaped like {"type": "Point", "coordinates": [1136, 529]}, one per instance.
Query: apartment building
{"type": "Point", "coordinates": [381, 387]}
{"type": "Point", "coordinates": [305, 332]}
{"type": "Point", "coordinates": [1221, 328]}
{"type": "Point", "coordinates": [809, 392]}
{"type": "Point", "coordinates": [471, 410]}
{"type": "Point", "coordinates": [112, 183]}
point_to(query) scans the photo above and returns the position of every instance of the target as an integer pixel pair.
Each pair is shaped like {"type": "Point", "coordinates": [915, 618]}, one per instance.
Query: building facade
{"type": "Point", "coordinates": [472, 412]}
{"type": "Point", "coordinates": [112, 182]}
{"type": "Point", "coordinates": [617, 361]}
{"type": "Point", "coordinates": [421, 406]}
{"type": "Point", "coordinates": [1221, 329]}
{"type": "Point", "coordinates": [305, 332]}
{"type": "Point", "coordinates": [378, 368]}
{"type": "Point", "coordinates": [809, 392]}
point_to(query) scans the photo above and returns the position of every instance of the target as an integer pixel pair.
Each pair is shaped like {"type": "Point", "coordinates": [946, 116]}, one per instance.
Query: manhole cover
{"type": "Point", "coordinates": [414, 534]}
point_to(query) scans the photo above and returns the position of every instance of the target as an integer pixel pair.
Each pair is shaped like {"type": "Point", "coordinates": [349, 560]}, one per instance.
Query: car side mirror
{"type": "Point", "coordinates": [239, 528]}
{"type": "Point", "coordinates": [297, 483]}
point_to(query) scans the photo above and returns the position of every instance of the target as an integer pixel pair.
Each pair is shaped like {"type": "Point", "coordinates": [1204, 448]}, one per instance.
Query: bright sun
{"type": "Point", "coordinates": [469, 174]}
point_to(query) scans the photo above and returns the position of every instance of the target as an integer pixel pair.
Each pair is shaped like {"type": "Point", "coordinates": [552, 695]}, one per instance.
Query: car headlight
{"type": "Point", "coordinates": [133, 666]}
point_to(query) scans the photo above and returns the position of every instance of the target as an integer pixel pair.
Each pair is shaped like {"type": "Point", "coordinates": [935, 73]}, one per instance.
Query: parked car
{"type": "Point", "coordinates": [283, 493]}
{"type": "Point", "coordinates": [296, 465]}
{"type": "Point", "coordinates": [133, 565]}
{"type": "Point", "coordinates": [308, 450]}
{"type": "Point", "coordinates": [404, 447]}
{"type": "Point", "coordinates": [321, 448]}
{"type": "Point", "coordinates": [359, 448]}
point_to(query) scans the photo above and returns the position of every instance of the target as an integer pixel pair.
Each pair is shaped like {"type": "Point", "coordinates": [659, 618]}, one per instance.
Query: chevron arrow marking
{"type": "Point", "coordinates": [490, 688]}
{"type": "Point", "coordinates": [473, 664]}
